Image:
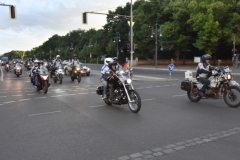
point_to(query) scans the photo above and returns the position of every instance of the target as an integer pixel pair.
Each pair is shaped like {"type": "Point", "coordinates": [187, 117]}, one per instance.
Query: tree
{"type": "Point", "coordinates": [111, 49]}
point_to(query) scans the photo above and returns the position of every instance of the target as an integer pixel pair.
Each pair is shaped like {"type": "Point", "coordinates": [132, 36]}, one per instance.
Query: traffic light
{"type": "Point", "coordinates": [84, 18]}
{"type": "Point", "coordinates": [128, 47]}
{"type": "Point", "coordinates": [12, 12]}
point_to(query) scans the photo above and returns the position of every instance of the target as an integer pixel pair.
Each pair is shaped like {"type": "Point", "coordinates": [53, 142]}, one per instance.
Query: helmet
{"type": "Point", "coordinates": [115, 58]}
{"type": "Point", "coordinates": [58, 56]}
{"type": "Point", "coordinates": [112, 63]}
{"type": "Point", "coordinates": [36, 63]}
{"type": "Point", "coordinates": [107, 60]}
{"type": "Point", "coordinates": [40, 62]}
{"type": "Point", "coordinates": [206, 56]}
{"type": "Point", "coordinates": [74, 55]}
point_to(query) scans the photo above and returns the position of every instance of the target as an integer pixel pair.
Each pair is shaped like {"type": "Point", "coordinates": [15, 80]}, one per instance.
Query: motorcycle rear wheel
{"type": "Point", "coordinates": [136, 105]}
{"type": "Point", "coordinates": [232, 95]}
{"type": "Point", "coordinates": [193, 99]}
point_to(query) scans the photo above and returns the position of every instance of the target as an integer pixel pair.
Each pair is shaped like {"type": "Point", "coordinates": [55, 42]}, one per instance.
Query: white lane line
{"type": "Point", "coordinates": [83, 93]}
{"type": "Point", "coordinates": [148, 87]}
{"type": "Point", "coordinates": [96, 106]}
{"type": "Point", "coordinates": [60, 91]}
{"type": "Point", "coordinates": [148, 99]}
{"type": "Point", "coordinates": [69, 94]}
{"type": "Point", "coordinates": [166, 85]}
{"type": "Point", "coordinates": [1, 104]}
{"type": "Point", "coordinates": [9, 102]}
{"type": "Point", "coordinates": [16, 91]}
{"type": "Point", "coordinates": [2, 96]}
{"type": "Point", "coordinates": [174, 84]}
{"type": "Point", "coordinates": [17, 88]}
{"type": "Point", "coordinates": [31, 94]}
{"type": "Point", "coordinates": [29, 91]}
{"type": "Point", "coordinates": [74, 90]}
{"type": "Point", "coordinates": [179, 95]}
{"type": "Point", "coordinates": [44, 113]}
{"type": "Point", "coordinates": [140, 88]}
{"type": "Point", "coordinates": [40, 97]}
{"type": "Point", "coordinates": [57, 96]}
{"type": "Point", "coordinates": [148, 77]}
{"type": "Point", "coordinates": [25, 99]}
{"type": "Point", "coordinates": [157, 86]}
{"type": "Point", "coordinates": [16, 95]}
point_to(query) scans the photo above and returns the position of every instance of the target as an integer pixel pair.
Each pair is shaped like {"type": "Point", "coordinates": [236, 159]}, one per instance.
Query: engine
{"type": "Point", "coordinates": [119, 97]}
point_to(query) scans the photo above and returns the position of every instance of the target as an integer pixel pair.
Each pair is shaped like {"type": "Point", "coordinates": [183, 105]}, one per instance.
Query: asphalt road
{"type": "Point", "coordinates": [72, 122]}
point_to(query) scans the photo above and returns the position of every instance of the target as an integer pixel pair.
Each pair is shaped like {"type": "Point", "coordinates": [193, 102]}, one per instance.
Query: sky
{"type": "Point", "coordinates": [38, 20]}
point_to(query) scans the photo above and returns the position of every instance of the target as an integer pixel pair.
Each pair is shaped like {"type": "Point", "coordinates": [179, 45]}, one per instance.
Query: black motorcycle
{"type": "Point", "coordinates": [120, 90]}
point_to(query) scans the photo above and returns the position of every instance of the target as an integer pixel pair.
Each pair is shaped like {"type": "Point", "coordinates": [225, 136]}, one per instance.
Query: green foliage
{"type": "Point", "coordinates": [111, 49]}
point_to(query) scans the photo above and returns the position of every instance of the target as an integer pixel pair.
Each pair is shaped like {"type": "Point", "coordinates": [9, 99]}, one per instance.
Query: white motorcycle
{"type": "Point", "coordinates": [58, 76]}
{"type": "Point", "coordinates": [221, 86]}
{"type": "Point", "coordinates": [18, 69]}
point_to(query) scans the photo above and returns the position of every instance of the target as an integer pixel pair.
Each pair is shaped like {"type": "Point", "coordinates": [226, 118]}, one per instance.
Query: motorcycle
{"type": "Point", "coordinates": [76, 73]}
{"type": "Point", "coordinates": [28, 65]}
{"type": "Point", "coordinates": [58, 76]}
{"type": "Point", "coordinates": [120, 90]}
{"type": "Point", "coordinates": [18, 69]}
{"type": "Point", "coordinates": [221, 86]}
{"type": "Point", "coordinates": [7, 67]}
{"type": "Point", "coordinates": [43, 80]}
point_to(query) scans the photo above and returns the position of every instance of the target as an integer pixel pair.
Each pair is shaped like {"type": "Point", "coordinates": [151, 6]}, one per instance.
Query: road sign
{"type": "Point", "coordinates": [170, 67]}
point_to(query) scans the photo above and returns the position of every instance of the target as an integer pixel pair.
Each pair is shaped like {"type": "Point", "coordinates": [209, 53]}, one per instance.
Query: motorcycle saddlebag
{"type": "Point", "coordinates": [186, 85]}
{"type": "Point", "coordinates": [99, 90]}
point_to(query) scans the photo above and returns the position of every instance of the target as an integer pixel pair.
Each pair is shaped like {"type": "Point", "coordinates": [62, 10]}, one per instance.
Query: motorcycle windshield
{"type": "Point", "coordinates": [124, 73]}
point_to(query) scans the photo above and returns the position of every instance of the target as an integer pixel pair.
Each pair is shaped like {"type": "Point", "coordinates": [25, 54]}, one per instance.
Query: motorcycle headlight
{"type": "Point", "coordinates": [18, 68]}
{"type": "Point", "coordinates": [78, 68]}
{"type": "Point", "coordinates": [45, 77]}
{"type": "Point", "coordinates": [229, 76]}
{"type": "Point", "coordinates": [88, 69]}
{"type": "Point", "coordinates": [129, 81]}
{"type": "Point", "coordinates": [7, 65]}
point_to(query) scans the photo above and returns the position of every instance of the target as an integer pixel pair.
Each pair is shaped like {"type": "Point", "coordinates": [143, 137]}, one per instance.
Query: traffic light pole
{"type": "Point", "coordinates": [12, 10]}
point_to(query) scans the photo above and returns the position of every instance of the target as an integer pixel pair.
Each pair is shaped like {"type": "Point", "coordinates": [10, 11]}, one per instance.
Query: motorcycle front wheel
{"type": "Point", "coordinates": [45, 87]}
{"type": "Point", "coordinates": [194, 98]}
{"type": "Point", "coordinates": [60, 79]}
{"type": "Point", "coordinates": [231, 96]}
{"type": "Point", "coordinates": [136, 105]}
{"type": "Point", "coordinates": [79, 77]}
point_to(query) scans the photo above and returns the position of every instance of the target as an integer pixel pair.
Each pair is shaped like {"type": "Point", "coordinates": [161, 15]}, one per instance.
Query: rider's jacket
{"type": "Point", "coordinates": [34, 69]}
{"type": "Point", "coordinates": [57, 63]}
{"type": "Point", "coordinates": [75, 62]}
{"type": "Point", "coordinates": [203, 70]}
{"type": "Point", "coordinates": [104, 69]}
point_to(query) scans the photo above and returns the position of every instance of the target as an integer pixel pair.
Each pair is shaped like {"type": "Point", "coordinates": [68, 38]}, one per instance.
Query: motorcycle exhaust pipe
{"type": "Point", "coordinates": [111, 91]}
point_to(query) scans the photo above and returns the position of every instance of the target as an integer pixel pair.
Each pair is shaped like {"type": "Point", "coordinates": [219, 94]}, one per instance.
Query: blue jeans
{"type": "Point", "coordinates": [104, 87]}
{"type": "Point", "coordinates": [205, 83]}
{"type": "Point", "coordinates": [35, 79]}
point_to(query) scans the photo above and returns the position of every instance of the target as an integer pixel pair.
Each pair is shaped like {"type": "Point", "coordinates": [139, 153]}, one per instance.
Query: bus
{"type": "Point", "coordinates": [4, 60]}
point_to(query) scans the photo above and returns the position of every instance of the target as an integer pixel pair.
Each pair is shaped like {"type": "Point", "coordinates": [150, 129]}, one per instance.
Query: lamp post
{"type": "Point", "coordinates": [131, 36]}
{"type": "Point", "coordinates": [116, 40]}
{"type": "Point", "coordinates": [90, 48]}
{"type": "Point", "coordinates": [156, 42]}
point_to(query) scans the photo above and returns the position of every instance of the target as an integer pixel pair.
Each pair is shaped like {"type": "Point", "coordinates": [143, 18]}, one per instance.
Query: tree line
{"type": "Point", "coordinates": [189, 28]}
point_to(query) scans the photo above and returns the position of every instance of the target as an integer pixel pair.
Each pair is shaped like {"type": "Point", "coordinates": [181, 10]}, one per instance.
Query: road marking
{"type": "Point", "coordinates": [157, 86]}
{"type": "Point", "coordinates": [83, 93]}
{"type": "Point", "coordinates": [29, 91]}
{"type": "Point", "coordinates": [148, 99]}
{"type": "Point", "coordinates": [60, 91]}
{"type": "Point", "coordinates": [9, 102]}
{"type": "Point", "coordinates": [166, 85]}
{"type": "Point", "coordinates": [148, 87]}
{"type": "Point", "coordinates": [140, 88]}
{"type": "Point", "coordinates": [74, 90]}
{"type": "Point", "coordinates": [31, 94]}
{"type": "Point", "coordinates": [174, 84]}
{"type": "Point", "coordinates": [2, 74]}
{"type": "Point", "coordinates": [25, 99]}
{"type": "Point", "coordinates": [69, 94]}
{"type": "Point", "coordinates": [3, 92]}
{"type": "Point", "coordinates": [96, 106]}
{"type": "Point", "coordinates": [148, 77]}
{"type": "Point", "coordinates": [57, 96]}
{"type": "Point", "coordinates": [16, 91]}
{"type": "Point", "coordinates": [40, 97]}
{"type": "Point", "coordinates": [44, 113]}
{"type": "Point", "coordinates": [16, 95]}
{"type": "Point", "coordinates": [2, 96]}
{"type": "Point", "coordinates": [179, 95]}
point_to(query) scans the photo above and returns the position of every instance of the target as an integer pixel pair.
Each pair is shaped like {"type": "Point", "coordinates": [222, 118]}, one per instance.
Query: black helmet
{"type": "Point", "coordinates": [206, 56]}
{"type": "Point", "coordinates": [40, 62]}
{"type": "Point", "coordinates": [115, 59]}
{"type": "Point", "coordinates": [110, 64]}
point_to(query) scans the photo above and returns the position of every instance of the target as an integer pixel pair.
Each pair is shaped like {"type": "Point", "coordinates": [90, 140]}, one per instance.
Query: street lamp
{"type": "Point", "coordinates": [156, 42]}
{"type": "Point", "coordinates": [131, 35]}
{"type": "Point", "coordinates": [116, 40]}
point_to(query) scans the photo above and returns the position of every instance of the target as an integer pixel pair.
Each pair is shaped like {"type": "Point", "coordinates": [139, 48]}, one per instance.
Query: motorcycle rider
{"type": "Point", "coordinates": [105, 69]}
{"type": "Point", "coordinates": [204, 71]}
{"type": "Point", "coordinates": [57, 63]}
{"type": "Point", "coordinates": [118, 65]}
{"type": "Point", "coordinates": [34, 71]}
{"type": "Point", "coordinates": [75, 62]}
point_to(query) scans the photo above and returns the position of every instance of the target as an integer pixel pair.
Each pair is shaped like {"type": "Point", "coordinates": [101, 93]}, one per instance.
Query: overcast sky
{"type": "Point", "coordinates": [38, 20]}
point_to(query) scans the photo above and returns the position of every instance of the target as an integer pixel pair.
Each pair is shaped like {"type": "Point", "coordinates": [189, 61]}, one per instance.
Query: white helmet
{"type": "Point", "coordinates": [58, 56]}
{"type": "Point", "coordinates": [107, 60]}
{"type": "Point", "coordinates": [36, 63]}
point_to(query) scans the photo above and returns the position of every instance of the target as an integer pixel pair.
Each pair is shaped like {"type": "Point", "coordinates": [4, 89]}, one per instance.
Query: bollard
{"type": "Point", "coordinates": [219, 61]}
